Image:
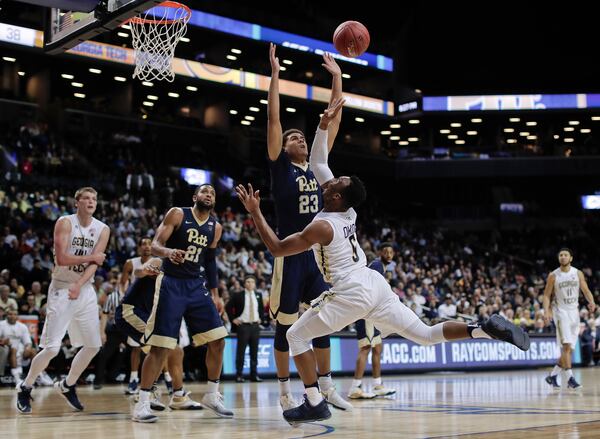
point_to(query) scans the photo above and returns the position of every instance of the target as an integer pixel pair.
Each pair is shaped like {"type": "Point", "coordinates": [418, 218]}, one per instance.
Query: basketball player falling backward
{"type": "Point", "coordinates": [79, 244]}
{"type": "Point", "coordinates": [297, 195]}
{"type": "Point", "coordinates": [563, 287]}
{"type": "Point", "coordinates": [131, 317]}
{"type": "Point", "coordinates": [356, 292]}
{"type": "Point", "coordinates": [185, 235]}
{"type": "Point", "coordinates": [132, 266]}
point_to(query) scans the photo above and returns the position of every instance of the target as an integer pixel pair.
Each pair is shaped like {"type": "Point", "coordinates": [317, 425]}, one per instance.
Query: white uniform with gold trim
{"type": "Point", "coordinates": [357, 292]}
{"type": "Point", "coordinates": [80, 316]}
{"type": "Point", "coordinates": [565, 305]}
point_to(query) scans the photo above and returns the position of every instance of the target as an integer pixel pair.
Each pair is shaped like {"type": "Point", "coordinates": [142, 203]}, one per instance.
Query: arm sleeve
{"type": "Point", "coordinates": [318, 157]}
{"type": "Point", "coordinates": [210, 265]}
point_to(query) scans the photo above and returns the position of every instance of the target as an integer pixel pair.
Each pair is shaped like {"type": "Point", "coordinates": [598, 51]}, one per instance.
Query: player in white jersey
{"type": "Point", "coordinates": [79, 244]}
{"type": "Point", "coordinates": [562, 288]}
{"type": "Point", "coordinates": [15, 335]}
{"type": "Point", "coordinates": [357, 292]}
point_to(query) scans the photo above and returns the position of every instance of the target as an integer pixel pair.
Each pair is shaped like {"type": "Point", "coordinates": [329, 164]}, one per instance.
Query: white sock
{"type": "Point", "coordinates": [556, 370]}
{"type": "Point", "coordinates": [284, 386]}
{"type": "Point", "coordinates": [377, 381]}
{"type": "Point", "coordinates": [80, 363]}
{"type": "Point", "coordinates": [133, 376]}
{"type": "Point", "coordinates": [16, 373]}
{"type": "Point", "coordinates": [38, 364]}
{"type": "Point", "coordinates": [325, 382]}
{"type": "Point", "coordinates": [168, 377]}
{"type": "Point", "coordinates": [569, 373]}
{"type": "Point", "coordinates": [479, 333]}
{"type": "Point", "coordinates": [212, 386]}
{"type": "Point", "coordinates": [356, 383]}
{"type": "Point", "coordinates": [314, 396]}
{"type": "Point", "coordinates": [145, 396]}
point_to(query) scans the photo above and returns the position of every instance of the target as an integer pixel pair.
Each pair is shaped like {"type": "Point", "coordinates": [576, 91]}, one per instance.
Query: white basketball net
{"type": "Point", "coordinates": [155, 34]}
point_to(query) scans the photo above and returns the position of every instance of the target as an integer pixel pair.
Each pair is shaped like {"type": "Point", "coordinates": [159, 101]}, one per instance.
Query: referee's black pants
{"type": "Point", "coordinates": [114, 338]}
{"type": "Point", "coordinates": [247, 334]}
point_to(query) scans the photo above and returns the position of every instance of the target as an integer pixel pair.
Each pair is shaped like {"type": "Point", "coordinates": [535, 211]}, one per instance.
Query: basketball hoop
{"type": "Point", "coordinates": [155, 34]}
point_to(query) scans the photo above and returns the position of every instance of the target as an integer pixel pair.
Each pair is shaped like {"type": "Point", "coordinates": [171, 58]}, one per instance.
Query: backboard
{"type": "Point", "coordinates": [65, 28]}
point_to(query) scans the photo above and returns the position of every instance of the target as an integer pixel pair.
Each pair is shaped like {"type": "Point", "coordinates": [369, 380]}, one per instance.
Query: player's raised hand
{"type": "Point", "coordinates": [249, 198]}
{"type": "Point", "coordinates": [274, 59]}
{"type": "Point", "coordinates": [177, 256]}
{"type": "Point", "coordinates": [331, 111]}
{"type": "Point", "coordinates": [330, 65]}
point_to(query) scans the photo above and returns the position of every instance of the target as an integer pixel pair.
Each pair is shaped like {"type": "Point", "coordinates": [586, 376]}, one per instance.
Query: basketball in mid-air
{"type": "Point", "coordinates": [351, 38]}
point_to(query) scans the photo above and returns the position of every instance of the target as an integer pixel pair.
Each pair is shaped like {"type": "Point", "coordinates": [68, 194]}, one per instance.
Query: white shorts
{"type": "Point", "coordinates": [79, 317]}
{"type": "Point", "coordinates": [366, 294]}
{"type": "Point", "coordinates": [567, 326]}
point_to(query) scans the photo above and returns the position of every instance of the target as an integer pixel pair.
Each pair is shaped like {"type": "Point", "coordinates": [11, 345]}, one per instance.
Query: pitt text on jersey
{"type": "Point", "coordinates": [308, 203]}
{"type": "Point", "coordinates": [192, 253]}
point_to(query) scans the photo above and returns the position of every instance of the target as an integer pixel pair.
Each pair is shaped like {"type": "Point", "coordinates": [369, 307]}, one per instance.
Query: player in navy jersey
{"type": "Point", "coordinates": [297, 198]}
{"type": "Point", "coordinates": [369, 339]}
{"type": "Point", "coordinates": [185, 236]}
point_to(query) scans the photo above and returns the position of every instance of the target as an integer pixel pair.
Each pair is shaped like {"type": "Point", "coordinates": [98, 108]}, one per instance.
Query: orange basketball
{"type": "Point", "coordinates": [351, 38]}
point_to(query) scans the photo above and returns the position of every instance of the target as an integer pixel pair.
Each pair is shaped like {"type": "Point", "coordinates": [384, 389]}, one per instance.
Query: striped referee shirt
{"type": "Point", "coordinates": [110, 306]}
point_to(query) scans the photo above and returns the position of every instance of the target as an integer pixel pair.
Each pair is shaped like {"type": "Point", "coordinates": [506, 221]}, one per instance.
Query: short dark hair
{"type": "Point", "coordinates": [201, 186]}
{"type": "Point", "coordinates": [143, 238]}
{"type": "Point", "coordinates": [385, 245]}
{"type": "Point", "coordinates": [566, 249]}
{"type": "Point", "coordinates": [249, 276]}
{"type": "Point", "coordinates": [355, 193]}
{"type": "Point", "coordinates": [288, 133]}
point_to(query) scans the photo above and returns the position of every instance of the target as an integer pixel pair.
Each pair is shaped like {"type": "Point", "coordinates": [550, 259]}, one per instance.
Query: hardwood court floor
{"type": "Point", "coordinates": [512, 404]}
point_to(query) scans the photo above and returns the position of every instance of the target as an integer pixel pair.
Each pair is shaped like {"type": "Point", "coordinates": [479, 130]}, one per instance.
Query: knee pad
{"type": "Point", "coordinates": [321, 342]}
{"type": "Point", "coordinates": [281, 343]}
{"type": "Point", "coordinates": [298, 340]}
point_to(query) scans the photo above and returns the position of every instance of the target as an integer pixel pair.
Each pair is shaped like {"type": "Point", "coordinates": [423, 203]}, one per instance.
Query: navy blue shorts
{"type": "Point", "coordinates": [177, 298]}
{"type": "Point", "coordinates": [367, 334]}
{"type": "Point", "coordinates": [131, 320]}
{"type": "Point", "coordinates": [296, 279]}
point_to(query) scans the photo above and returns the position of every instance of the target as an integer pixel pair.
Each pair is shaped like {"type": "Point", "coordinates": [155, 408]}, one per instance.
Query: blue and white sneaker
{"type": "Point", "coordinates": [69, 393]}
{"type": "Point", "coordinates": [132, 388]}
{"type": "Point", "coordinates": [307, 413]}
{"type": "Point", "coordinates": [24, 399]}
{"type": "Point", "coordinates": [573, 384]}
{"type": "Point", "coordinates": [552, 380]}
{"type": "Point", "coordinates": [501, 329]}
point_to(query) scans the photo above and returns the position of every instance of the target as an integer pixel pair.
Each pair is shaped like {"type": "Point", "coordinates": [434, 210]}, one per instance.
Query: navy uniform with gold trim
{"type": "Point", "coordinates": [296, 278]}
{"type": "Point", "coordinates": [133, 312]}
{"type": "Point", "coordinates": [181, 290]}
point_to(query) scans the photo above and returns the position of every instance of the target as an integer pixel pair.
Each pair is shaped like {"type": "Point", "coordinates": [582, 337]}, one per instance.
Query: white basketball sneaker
{"type": "Point", "coordinates": [288, 402]}
{"type": "Point", "coordinates": [381, 390]}
{"type": "Point", "coordinates": [214, 401]}
{"type": "Point", "coordinates": [334, 398]}
{"type": "Point", "coordinates": [184, 402]}
{"type": "Point", "coordinates": [359, 393]}
{"type": "Point", "coordinates": [143, 413]}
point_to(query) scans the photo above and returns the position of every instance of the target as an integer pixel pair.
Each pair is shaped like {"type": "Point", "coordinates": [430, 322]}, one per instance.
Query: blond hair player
{"type": "Point", "coordinates": [79, 244]}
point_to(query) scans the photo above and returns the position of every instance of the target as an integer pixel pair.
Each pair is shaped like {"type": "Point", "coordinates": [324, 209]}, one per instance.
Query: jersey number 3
{"type": "Point", "coordinates": [309, 203]}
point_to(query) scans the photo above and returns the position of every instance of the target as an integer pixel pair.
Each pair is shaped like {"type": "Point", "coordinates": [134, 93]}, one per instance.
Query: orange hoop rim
{"type": "Point", "coordinates": [167, 4]}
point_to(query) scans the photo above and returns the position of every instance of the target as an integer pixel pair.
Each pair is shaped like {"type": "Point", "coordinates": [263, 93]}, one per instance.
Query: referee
{"type": "Point", "coordinates": [112, 339]}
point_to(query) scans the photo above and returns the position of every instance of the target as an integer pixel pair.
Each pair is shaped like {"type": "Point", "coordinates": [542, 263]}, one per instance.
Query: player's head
{"type": "Point", "coordinates": [342, 193]}
{"type": "Point", "coordinates": [86, 200]}
{"type": "Point", "coordinates": [250, 283]}
{"type": "Point", "coordinates": [11, 316]}
{"type": "Point", "coordinates": [205, 197]}
{"type": "Point", "coordinates": [386, 252]}
{"type": "Point", "coordinates": [294, 144]}
{"type": "Point", "coordinates": [565, 257]}
{"type": "Point", "coordinates": [145, 246]}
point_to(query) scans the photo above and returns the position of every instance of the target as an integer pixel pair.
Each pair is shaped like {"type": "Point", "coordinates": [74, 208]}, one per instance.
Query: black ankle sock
{"type": "Point", "coordinates": [283, 380]}
{"type": "Point", "coordinates": [328, 374]}
{"type": "Point", "coordinates": [471, 327]}
{"type": "Point", "coordinates": [315, 384]}
{"type": "Point", "coordinates": [146, 390]}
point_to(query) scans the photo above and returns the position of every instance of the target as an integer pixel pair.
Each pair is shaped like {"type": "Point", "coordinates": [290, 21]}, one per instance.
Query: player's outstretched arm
{"type": "Point", "coordinates": [547, 295]}
{"type": "Point", "coordinates": [586, 291]}
{"type": "Point", "coordinates": [171, 222]}
{"type": "Point", "coordinates": [317, 232]}
{"type": "Point", "coordinates": [319, 153]}
{"type": "Point", "coordinates": [336, 93]}
{"type": "Point", "coordinates": [274, 130]}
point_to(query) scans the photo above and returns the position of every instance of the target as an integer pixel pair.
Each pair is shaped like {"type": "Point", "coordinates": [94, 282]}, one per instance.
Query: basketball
{"type": "Point", "coordinates": [351, 38]}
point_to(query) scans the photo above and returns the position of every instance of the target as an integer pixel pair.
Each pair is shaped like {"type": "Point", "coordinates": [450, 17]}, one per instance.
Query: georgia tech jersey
{"type": "Point", "coordinates": [566, 288]}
